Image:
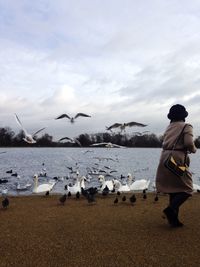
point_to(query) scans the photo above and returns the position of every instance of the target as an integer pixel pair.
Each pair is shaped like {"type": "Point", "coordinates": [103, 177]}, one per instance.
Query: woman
{"type": "Point", "coordinates": [178, 188]}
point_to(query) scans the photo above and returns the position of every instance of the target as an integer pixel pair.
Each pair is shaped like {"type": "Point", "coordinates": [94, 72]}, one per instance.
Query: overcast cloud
{"type": "Point", "coordinates": [117, 60]}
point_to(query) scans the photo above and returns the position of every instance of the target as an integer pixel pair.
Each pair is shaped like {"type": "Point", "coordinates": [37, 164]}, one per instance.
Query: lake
{"type": "Point", "coordinates": [140, 162]}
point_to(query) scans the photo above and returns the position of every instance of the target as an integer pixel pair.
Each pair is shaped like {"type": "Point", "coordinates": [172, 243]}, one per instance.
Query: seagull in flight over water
{"type": "Point", "coordinates": [28, 138]}
{"type": "Point", "coordinates": [72, 118]}
{"type": "Point", "coordinates": [71, 140]}
{"type": "Point", "coordinates": [122, 126]}
{"type": "Point", "coordinates": [108, 145]}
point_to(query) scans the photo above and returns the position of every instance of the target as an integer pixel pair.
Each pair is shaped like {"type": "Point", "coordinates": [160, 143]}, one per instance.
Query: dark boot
{"type": "Point", "coordinates": [172, 217]}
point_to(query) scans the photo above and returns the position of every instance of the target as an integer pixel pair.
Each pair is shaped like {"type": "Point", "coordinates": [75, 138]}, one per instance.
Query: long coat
{"type": "Point", "coordinates": [166, 181]}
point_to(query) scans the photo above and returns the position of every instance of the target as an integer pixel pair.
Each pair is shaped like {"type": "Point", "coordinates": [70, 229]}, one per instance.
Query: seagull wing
{"type": "Point", "coordinates": [20, 124]}
{"type": "Point", "coordinates": [133, 123]}
{"type": "Point", "coordinates": [115, 125]}
{"type": "Point", "coordinates": [38, 131]}
{"type": "Point", "coordinates": [63, 138]}
{"type": "Point", "coordinates": [82, 115]}
{"type": "Point", "coordinates": [62, 116]}
{"type": "Point", "coordinates": [115, 145]}
{"type": "Point", "coordinates": [99, 144]}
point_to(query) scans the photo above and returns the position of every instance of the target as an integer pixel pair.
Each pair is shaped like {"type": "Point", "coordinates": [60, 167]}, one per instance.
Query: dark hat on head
{"type": "Point", "coordinates": [177, 112]}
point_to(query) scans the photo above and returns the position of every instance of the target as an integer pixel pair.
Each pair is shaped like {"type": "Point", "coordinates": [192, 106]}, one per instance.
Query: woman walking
{"type": "Point", "coordinates": [178, 142]}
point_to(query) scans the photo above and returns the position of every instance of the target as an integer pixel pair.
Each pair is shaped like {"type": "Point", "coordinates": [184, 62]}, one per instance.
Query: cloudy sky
{"type": "Point", "coordinates": [117, 60]}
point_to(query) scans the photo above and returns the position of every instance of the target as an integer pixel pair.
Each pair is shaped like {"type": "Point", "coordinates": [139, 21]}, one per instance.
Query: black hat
{"type": "Point", "coordinates": [177, 112]}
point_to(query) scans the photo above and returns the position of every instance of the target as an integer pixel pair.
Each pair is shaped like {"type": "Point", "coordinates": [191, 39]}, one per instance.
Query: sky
{"type": "Point", "coordinates": [116, 60]}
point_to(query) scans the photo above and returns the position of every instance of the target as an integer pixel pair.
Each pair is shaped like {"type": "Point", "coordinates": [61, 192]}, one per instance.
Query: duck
{"type": "Point", "coordinates": [48, 186]}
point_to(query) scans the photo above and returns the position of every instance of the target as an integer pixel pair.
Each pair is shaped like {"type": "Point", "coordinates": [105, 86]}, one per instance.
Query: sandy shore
{"type": "Point", "coordinates": [38, 231]}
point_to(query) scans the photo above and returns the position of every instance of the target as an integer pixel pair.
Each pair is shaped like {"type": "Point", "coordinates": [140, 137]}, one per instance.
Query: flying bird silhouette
{"type": "Point", "coordinates": [71, 140]}
{"type": "Point", "coordinates": [29, 138]}
{"type": "Point", "coordinates": [108, 145]}
{"type": "Point", "coordinates": [122, 126]}
{"type": "Point", "coordinates": [72, 118]}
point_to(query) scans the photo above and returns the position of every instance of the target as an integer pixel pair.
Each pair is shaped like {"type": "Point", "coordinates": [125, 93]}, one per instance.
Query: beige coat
{"type": "Point", "coordinates": [166, 181]}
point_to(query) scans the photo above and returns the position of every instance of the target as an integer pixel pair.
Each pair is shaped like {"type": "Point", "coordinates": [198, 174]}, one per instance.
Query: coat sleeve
{"type": "Point", "coordinates": [188, 139]}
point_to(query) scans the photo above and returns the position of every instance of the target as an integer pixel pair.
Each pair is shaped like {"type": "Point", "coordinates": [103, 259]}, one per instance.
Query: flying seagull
{"type": "Point", "coordinates": [29, 138]}
{"type": "Point", "coordinates": [71, 140]}
{"type": "Point", "coordinates": [72, 118]}
{"type": "Point", "coordinates": [122, 126]}
{"type": "Point", "coordinates": [108, 145]}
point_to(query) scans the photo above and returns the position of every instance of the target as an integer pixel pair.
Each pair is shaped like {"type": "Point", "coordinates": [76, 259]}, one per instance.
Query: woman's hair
{"type": "Point", "coordinates": [177, 112]}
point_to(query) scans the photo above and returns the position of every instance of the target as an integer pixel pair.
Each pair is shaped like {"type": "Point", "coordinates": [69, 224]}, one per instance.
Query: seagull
{"type": "Point", "coordinates": [122, 126]}
{"type": "Point", "coordinates": [28, 137]}
{"type": "Point", "coordinates": [71, 140]}
{"type": "Point", "coordinates": [72, 118]}
{"type": "Point", "coordinates": [108, 145]}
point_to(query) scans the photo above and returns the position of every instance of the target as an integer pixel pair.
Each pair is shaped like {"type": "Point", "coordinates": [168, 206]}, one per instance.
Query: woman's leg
{"type": "Point", "coordinates": [175, 201]}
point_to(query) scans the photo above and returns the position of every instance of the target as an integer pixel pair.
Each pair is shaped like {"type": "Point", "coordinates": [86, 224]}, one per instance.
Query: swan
{"type": "Point", "coordinates": [80, 182]}
{"type": "Point", "coordinates": [137, 184]}
{"type": "Point", "coordinates": [120, 187]}
{"type": "Point", "coordinates": [28, 137]}
{"type": "Point", "coordinates": [196, 187]}
{"type": "Point", "coordinates": [140, 184]}
{"type": "Point", "coordinates": [42, 187]}
{"type": "Point", "coordinates": [104, 183]}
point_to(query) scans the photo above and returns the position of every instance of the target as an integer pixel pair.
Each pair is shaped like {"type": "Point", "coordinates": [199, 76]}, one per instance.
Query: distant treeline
{"type": "Point", "coordinates": [8, 138]}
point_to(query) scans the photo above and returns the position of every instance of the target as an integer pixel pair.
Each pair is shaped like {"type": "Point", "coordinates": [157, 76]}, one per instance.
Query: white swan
{"type": "Point", "coordinates": [137, 184]}
{"type": "Point", "coordinates": [196, 187]}
{"type": "Point", "coordinates": [120, 187]}
{"type": "Point", "coordinates": [80, 182]}
{"type": "Point", "coordinates": [42, 187]}
{"type": "Point", "coordinates": [141, 184]}
{"type": "Point", "coordinates": [104, 183]}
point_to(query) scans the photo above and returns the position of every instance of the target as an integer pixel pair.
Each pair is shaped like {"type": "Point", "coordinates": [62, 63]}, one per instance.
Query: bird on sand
{"type": "Point", "coordinates": [124, 198]}
{"type": "Point", "coordinates": [62, 199]}
{"type": "Point", "coordinates": [72, 119]}
{"type": "Point", "coordinates": [5, 203]}
{"type": "Point", "coordinates": [122, 126]}
{"type": "Point", "coordinates": [28, 138]}
{"type": "Point", "coordinates": [132, 199]}
{"type": "Point", "coordinates": [70, 140]}
{"type": "Point", "coordinates": [116, 200]}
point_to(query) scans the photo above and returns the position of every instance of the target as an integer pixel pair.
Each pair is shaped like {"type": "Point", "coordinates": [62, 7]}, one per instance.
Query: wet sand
{"type": "Point", "coordinates": [38, 231]}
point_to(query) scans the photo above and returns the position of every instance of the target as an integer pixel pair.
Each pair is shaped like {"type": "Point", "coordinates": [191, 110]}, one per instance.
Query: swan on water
{"type": "Point", "coordinates": [108, 183]}
{"type": "Point", "coordinates": [118, 186]}
{"type": "Point", "coordinates": [80, 182]}
{"type": "Point", "coordinates": [42, 187]}
{"type": "Point", "coordinates": [141, 184]}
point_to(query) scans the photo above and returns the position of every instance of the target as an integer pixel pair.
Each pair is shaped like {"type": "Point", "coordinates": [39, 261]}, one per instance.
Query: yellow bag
{"type": "Point", "coordinates": [174, 167]}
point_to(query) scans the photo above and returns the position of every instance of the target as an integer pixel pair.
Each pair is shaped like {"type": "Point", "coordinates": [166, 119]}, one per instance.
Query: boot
{"type": "Point", "coordinates": [172, 217]}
